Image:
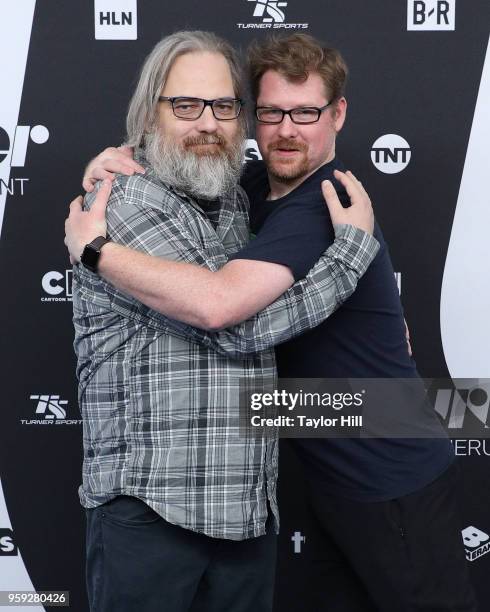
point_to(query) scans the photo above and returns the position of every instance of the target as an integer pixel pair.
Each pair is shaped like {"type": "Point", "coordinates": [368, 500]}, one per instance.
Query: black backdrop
{"type": "Point", "coordinates": [421, 85]}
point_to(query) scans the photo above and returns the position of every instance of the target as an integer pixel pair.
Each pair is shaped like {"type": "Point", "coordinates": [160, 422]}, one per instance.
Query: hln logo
{"type": "Point", "coordinates": [7, 545]}
{"type": "Point", "coordinates": [297, 540]}
{"type": "Point", "coordinates": [431, 14]}
{"type": "Point", "coordinates": [390, 153]}
{"type": "Point", "coordinates": [476, 543]}
{"type": "Point", "coordinates": [116, 20]}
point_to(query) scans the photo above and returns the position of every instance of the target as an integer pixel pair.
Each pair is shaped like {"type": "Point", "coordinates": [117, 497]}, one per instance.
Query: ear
{"type": "Point", "coordinates": [339, 113]}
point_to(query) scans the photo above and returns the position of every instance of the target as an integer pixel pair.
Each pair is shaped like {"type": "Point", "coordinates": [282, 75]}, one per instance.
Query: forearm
{"type": "Point", "coordinates": [178, 290]}
{"type": "Point", "coordinates": [306, 304]}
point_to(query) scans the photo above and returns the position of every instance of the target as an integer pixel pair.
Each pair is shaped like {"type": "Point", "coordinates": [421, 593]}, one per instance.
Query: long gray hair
{"type": "Point", "coordinates": [142, 108]}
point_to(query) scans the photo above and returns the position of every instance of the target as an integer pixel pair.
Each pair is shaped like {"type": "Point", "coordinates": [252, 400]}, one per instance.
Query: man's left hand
{"type": "Point", "coordinates": [81, 227]}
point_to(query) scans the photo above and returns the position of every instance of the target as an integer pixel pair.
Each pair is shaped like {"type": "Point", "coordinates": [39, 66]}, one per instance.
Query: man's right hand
{"type": "Point", "coordinates": [108, 163]}
{"type": "Point", "coordinates": [360, 212]}
{"type": "Point", "coordinates": [83, 226]}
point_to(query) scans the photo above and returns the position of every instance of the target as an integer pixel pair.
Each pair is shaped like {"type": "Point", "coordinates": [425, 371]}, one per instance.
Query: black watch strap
{"type": "Point", "coordinates": [91, 253]}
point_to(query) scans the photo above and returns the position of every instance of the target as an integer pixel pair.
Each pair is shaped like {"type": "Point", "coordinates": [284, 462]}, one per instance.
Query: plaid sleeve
{"type": "Point", "coordinates": [306, 304]}
{"type": "Point", "coordinates": [152, 229]}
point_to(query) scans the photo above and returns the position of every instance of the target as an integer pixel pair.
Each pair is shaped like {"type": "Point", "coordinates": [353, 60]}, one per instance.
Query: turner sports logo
{"type": "Point", "coordinates": [476, 543]}
{"type": "Point", "coordinates": [57, 286]}
{"type": "Point", "coordinates": [53, 411]}
{"type": "Point", "coordinates": [272, 14]}
{"type": "Point", "coordinates": [7, 543]}
{"type": "Point", "coordinates": [13, 149]}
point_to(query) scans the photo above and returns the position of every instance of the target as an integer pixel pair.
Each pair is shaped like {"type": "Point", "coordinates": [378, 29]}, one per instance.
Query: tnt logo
{"type": "Point", "coordinates": [476, 543]}
{"type": "Point", "coordinates": [252, 152]}
{"type": "Point", "coordinates": [116, 20]}
{"type": "Point", "coordinates": [431, 14]}
{"type": "Point", "coordinates": [7, 545]}
{"type": "Point", "coordinates": [391, 153]}
{"type": "Point", "coordinates": [453, 404]}
{"type": "Point", "coordinates": [271, 9]}
{"type": "Point", "coordinates": [297, 540]}
{"type": "Point", "coordinates": [57, 286]}
{"type": "Point", "coordinates": [51, 403]}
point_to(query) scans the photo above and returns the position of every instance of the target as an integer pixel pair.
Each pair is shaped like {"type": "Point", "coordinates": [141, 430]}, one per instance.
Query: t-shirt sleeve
{"type": "Point", "coordinates": [294, 235]}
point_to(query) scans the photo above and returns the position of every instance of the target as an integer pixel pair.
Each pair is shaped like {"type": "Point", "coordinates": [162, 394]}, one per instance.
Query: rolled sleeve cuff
{"type": "Point", "coordinates": [354, 247]}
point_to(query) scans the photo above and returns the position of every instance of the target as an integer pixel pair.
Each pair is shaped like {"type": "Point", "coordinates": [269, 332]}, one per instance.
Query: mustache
{"type": "Point", "coordinates": [288, 145]}
{"type": "Point", "coordinates": [204, 139]}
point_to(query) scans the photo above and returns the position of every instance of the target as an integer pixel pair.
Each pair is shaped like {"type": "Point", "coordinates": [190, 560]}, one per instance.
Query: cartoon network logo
{"type": "Point", "coordinates": [476, 543]}
{"type": "Point", "coordinates": [116, 20]}
{"type": "Point", "coordinates": [272, 15]}
{"type": "Point", "coordinates": [52, 410]}
{"type": "Point", "coordinates": [57, 287]}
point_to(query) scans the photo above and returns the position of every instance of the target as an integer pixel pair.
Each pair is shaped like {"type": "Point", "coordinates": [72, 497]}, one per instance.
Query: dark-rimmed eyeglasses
{"type": "Point", "coordinates": [302, 114]}
{"type": "Point", "coordinates": [224, 109]}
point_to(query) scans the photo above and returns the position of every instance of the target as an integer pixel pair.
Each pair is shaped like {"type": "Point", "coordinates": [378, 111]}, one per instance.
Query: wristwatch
{"type": "Point", "coordinates": [91, 253]}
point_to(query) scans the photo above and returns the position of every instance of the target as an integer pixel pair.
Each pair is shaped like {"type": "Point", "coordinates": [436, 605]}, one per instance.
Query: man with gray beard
{"type": "Point", "coordinates": [181, 509]}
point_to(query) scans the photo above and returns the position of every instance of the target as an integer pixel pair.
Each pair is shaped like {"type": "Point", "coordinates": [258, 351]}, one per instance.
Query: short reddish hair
{"type": "Point", "coordinates": [296, 56]}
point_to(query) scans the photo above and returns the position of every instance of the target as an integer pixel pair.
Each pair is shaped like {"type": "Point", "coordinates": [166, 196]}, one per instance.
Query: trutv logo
{"type": "Point", "coordinates": [116, 20]}
{"type": "Point", "coordinates": [7, 543]}
{"type": "Point", "coordinates": [18, 144]}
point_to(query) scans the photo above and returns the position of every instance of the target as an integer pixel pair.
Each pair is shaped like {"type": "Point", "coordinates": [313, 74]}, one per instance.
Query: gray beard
{"type": "Point", "coordinates": [206, 177]}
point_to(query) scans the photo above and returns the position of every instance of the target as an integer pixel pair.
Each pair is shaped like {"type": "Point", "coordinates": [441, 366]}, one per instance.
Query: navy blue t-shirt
{"type": "Point", "coordinates": [364, 338]}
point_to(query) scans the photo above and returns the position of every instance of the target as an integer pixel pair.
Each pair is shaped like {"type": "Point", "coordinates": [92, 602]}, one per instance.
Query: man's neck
{"type": "Point", "coordinates": [279, 189]}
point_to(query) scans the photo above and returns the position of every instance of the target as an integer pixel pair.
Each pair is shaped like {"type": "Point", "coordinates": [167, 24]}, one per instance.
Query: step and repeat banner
{"type": "Point", "coordinates": [417, 134]}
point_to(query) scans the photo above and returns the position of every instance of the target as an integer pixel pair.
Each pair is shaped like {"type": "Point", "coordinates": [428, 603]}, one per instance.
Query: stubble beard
{"type": "Point", "coordinates": [287, 170]}
{"type": "Point", "coordinates": [193, 166]}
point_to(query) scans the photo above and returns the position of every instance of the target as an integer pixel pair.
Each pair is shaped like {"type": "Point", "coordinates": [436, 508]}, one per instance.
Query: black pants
{"type": "Point", "coordinates": [138, 562]}
{"type": "Point", "coordinates": [402, 555]}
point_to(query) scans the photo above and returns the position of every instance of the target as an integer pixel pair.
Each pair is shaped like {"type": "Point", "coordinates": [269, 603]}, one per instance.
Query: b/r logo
{"type": "Point", "coordinates": [391, 153]}
{"type": "Point", "coordinates": [7, 544]}
{"type": "Point", "coordinates": [431, 15]}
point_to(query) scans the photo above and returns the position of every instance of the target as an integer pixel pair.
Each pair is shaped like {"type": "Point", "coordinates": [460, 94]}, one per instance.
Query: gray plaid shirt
{"type": "Point", "coordinates": [159, 398]}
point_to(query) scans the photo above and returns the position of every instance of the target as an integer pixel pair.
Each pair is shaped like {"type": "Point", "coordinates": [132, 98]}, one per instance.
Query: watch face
{"type": "Point", "coordinates": [90, 257]}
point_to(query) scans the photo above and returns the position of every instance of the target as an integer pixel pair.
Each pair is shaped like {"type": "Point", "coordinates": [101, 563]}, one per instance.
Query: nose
{"type": "Point", "coordinates": [207, 122]}
{"type": "Point", "coordinates": [287, 128]}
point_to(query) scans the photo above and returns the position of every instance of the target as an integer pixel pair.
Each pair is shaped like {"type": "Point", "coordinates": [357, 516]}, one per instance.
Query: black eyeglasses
{"type": "Point", "coordinates": [224, 109]}
{"type": "Point", "coordinates": [302, 114]}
